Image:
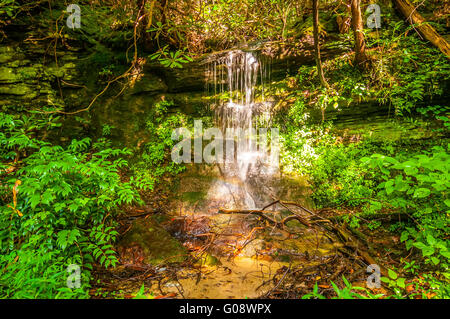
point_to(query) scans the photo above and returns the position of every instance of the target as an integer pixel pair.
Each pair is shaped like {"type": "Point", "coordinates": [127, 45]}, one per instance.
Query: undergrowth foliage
{"type": "Point", "coordinates": [373, 179]}
{"type": "Point", "coordinates": [406, 74]}
{"type": "Point", "coordinates": [56, 210]}
{"type": "Point", "coordinates": [418, 185]}
{"type": "Point", "coordinates": [155, 163]}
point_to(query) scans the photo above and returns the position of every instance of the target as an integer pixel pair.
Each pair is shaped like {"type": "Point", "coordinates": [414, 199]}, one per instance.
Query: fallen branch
{"type": "Point", "coordinates": [348, 240]}
{"type": "Point", "coordinates": [426, 30]}
{"type": "Point", "coordinates": [351, 242]}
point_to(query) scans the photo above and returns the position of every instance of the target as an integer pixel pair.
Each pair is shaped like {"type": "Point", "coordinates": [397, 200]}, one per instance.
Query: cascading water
{"type": "Point", "coordinates": [243, 114]}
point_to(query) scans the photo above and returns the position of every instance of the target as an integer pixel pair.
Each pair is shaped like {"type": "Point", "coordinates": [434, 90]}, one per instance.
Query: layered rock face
{"type": "Point", "coordinates": [35, 75]}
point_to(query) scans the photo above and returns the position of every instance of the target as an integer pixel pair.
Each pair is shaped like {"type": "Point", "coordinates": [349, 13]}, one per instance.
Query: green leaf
{"type": "Point", "coordinates": [431, 240]}
{"type": "Point", "coordinates": [401, 282]}
{"type": "Point", "coordinates": [420, 245]}
{"type": "Point", "coordinates": [421, 193]}
{"type": "Point", "coordinates": [428, 251]}
{"type": "Point", "coordinates": [384, 170]}
{"type": "Point", "coordinates": [141, 293]}
{"type": "Point", "coordinates": [446, 254]}
{"type": "Point", "coordinates": [435, 260]}
{"type": "Point", "coordinates": [411, 171]}
{"type": "Point", "coordinates": [404, 236]}
{"type": "Point", "coordinates": [389, 186]}
{"type": "Point", "coordinates": [392, 274]}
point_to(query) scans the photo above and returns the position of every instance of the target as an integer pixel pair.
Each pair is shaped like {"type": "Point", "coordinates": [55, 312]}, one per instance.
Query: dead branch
{"type": "Point", "coordinates": [426, 30]}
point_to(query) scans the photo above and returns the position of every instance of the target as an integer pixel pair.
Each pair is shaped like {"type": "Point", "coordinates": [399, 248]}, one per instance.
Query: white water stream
{"type": "Point", "coordinates": [243, 115]}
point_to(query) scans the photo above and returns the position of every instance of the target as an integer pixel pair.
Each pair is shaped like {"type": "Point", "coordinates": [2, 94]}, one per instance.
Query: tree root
{"type": "Point", "coordinates": [262, 213]}
{"type": "Point", "coordinates": [352, 241]}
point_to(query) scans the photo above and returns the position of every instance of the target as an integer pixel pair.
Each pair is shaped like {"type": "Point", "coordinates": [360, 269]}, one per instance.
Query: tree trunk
{"type": "Point", "coordinates": [317, 44]}
{"type": "Point", "coordinates": [427, 31]}
{"type": "Point", "coordinates": [145, 8]}
{"type": "Point", "coordinates": [344, 20]}
{"type": "Point", "coordinates": [360, 44]}
{"type": "Point", "coordinates": [163, 11]}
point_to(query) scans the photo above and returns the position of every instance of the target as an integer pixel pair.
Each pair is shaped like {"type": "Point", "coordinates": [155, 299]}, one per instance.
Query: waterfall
{"type": "Point", "coordinates": [237, 81]}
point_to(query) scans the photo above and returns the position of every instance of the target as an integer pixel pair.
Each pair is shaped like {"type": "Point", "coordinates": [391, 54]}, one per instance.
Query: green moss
{"type": "Point", "coordinates": [7, 75]}
{"type": "Point", "coordinates": [208, 260]}
{"type": "Point", "coordinates": [20, 89]}
{"type": "Point", "coordinates": [193, 197]}
{"type": "Point", "coordinates": [7, 55]}
{"type": "Point", "coordinates": [157, 244]}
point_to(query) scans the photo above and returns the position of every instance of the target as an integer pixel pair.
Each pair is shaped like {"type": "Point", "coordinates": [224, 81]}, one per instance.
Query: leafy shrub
{"type": "Point", "coordinates": [171, 59]}
{"type": "Point", "coordinates": [59, 214]}
{"type": "Point", "coordinates": [337, 176]}
{"type": "Point", "coordinates": [155, 160]}
{"type": "Point", "coordinates": [419, 186]}
{"type": "Point", "coordinates": [347, 292]}
{"type": "Point", "coordinates": [401, 81]}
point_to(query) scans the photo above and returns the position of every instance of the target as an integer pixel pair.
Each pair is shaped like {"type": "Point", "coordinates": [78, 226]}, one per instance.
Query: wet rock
{"type": "Point", "coordinates": [56, 72]}
{"type": "Point", "coordinates": [8, 75]}
{"type": "Point", "coordinates": [253, 248]}
{"type": "Point", "coordinates": [8, 54]}
{"type": "Point", "coordinates": [189, 102]}
{"type": "Point", "coordinates": [23, 90]}
{"type": "Point", "coordinates": [208, 260]}
{"type": "Point", "coordinates": [190, 78]}
{"type": "Point", "coordinates": [67, 71]}
{"type": "Point", "coordinates": [149, 84]}
{"type": "Point", "coordinates": [148, 243]}
{"type": "Point", "coordinates": [28, 80]}
{"type": "Point", "coordinates": [284, 59]}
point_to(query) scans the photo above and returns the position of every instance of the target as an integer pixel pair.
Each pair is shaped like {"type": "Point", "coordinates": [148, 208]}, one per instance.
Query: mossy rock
{"type": "Point", "coordinates": [152, 243]}
{"type": "Point", "coordinates": [22, 90]}
{"type": "Point", "coordinates": [149, 84]}
{"type": "Point", "coordinates": [7, 54]}
{"type": "Point", "coordinates": [208, 260]}
{"type": "Point", "coordinates": [190, 102]}
{"type": "Point", "coordinates": [193, 197]}
{"type": "Point", "coordinates": [8, 75]}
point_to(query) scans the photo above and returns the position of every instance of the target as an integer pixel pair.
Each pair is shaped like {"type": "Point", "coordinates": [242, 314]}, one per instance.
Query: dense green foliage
{"type": "Point", "coordinates": [373, 175]}
{"type": "Point", "coordinates": [373, 178]}
{"type": "Point", "coordinates": [60, 214]}
{"type": "Point", "coordinates": [394, 80]}
{"type": "Point", "coordinates": [155, 161]}
{"type": "Point", "coordinates": [62, 209]}
{"type": "Point", "coordinates": [384, 178]}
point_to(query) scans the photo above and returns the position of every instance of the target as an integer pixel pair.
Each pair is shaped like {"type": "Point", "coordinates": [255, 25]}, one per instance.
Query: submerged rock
{"type": "Point", "coordinates": [208, 260]}
{"type": "Point", "coordinates": [253, 248]}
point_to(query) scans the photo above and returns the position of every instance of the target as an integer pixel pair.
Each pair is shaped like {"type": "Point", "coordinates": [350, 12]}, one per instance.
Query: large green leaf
{"type": "Point", "coordinates": [421, 193]}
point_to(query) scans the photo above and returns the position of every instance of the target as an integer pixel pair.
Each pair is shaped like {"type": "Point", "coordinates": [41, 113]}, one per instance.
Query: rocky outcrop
{"type": "Point", "coordinates": [31, 78]}
{"type": "Point", "coordinates": [149, 84]}
{"type": "Point", "coordinates": [147, 243]}
{"type": "Point", "coordinates": [26, 81]}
